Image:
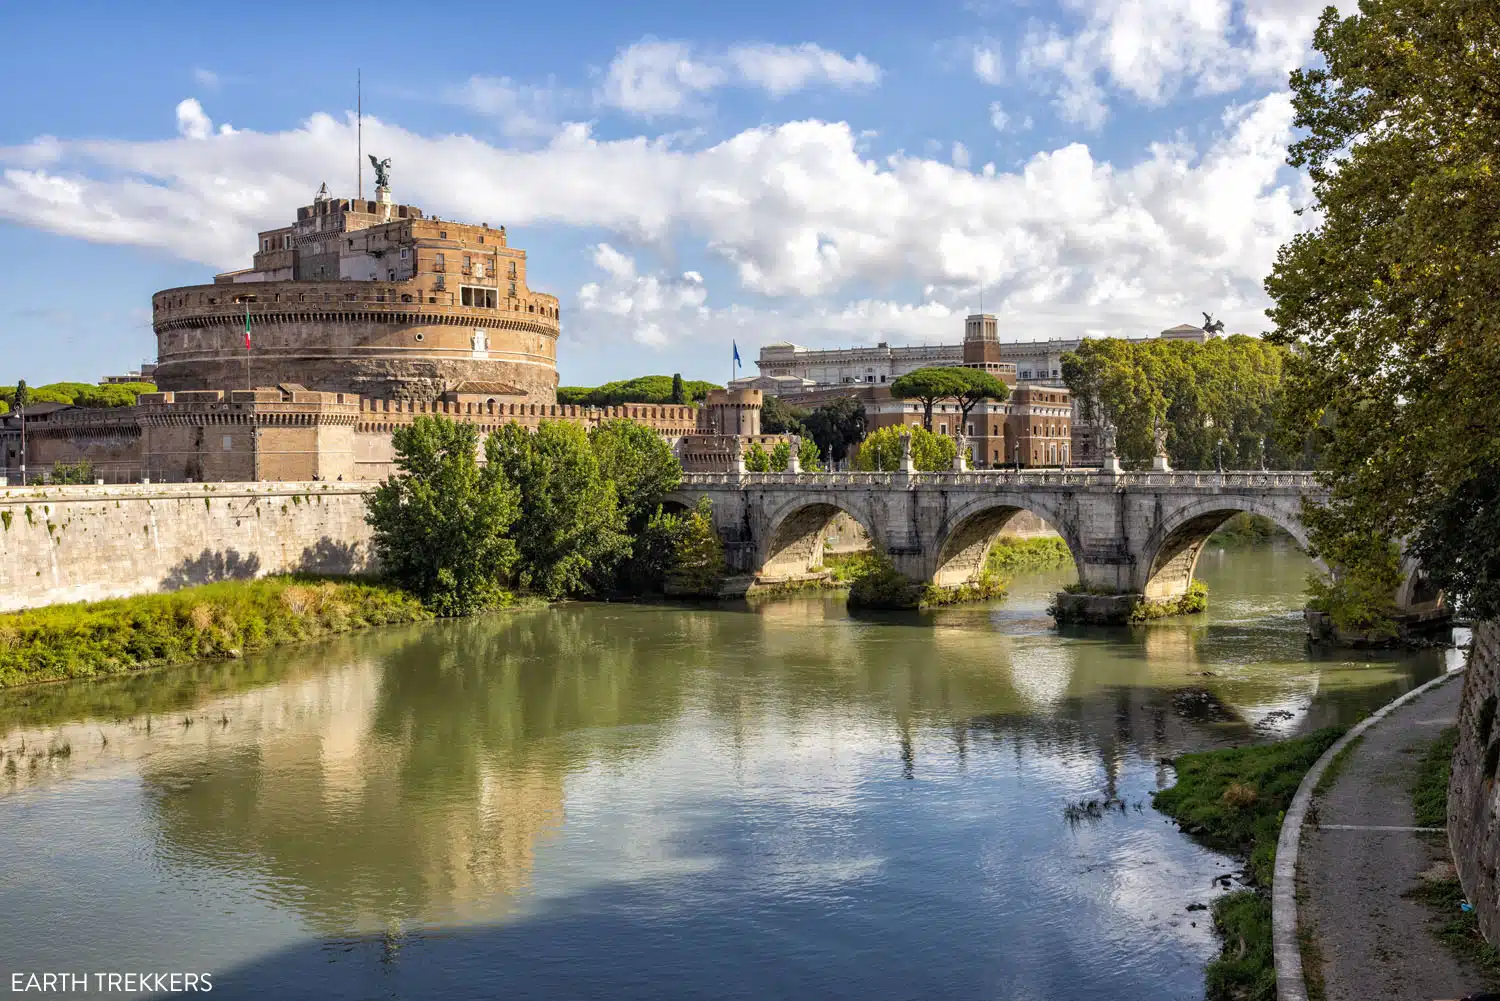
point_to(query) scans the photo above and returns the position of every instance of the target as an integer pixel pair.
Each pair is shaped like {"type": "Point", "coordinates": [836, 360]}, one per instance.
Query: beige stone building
{"type": "Point", "coordinates": [365, 297]}
{"type": "Point", "coordinates": [360, 317]}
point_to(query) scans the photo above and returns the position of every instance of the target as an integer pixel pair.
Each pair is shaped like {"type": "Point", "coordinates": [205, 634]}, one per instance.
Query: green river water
{"type": "Point", "coordinates": [623, 801]}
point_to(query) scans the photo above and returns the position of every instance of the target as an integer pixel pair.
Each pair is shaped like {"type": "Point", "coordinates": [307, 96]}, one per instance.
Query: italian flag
{"type": "Point", "coordinates": [247, 326]}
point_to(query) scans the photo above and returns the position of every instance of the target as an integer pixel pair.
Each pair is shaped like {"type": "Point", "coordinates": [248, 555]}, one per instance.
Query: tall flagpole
{"type": "Point", "coordinates": [359, 132]}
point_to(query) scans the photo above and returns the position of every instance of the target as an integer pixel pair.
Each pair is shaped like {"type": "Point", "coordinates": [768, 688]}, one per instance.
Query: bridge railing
{"type": "Point", "coordinates": [1299, 480]}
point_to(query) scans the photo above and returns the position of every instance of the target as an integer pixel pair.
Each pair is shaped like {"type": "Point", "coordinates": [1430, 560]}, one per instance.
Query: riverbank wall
{"type": "Point", "coordinates": [1473, 792]}
{"type": "Point", "coordinates": [84, 543]}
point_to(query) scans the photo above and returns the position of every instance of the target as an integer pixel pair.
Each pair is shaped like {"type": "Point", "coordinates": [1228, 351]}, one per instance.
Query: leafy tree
{"type": "Point", "coordinates": [440, 523]}
{"type": "Point", "coordinates": [978, 386]}
{"type": "Point", "coordinates": [571, 533]}
{"type": "Point", "coordinates": [809, 457]}
{"type": "Point", "coordinates": [881, 451]}
{"type": "Point", "coordinates": [757, 460]}
{"type": "Point", "coordinates": [1388, 301]}
{"type": "Point", "coordinates": [779, 417]}
{"type": "Point", "coordinates": [123, 394]}
{"type": "Point", "coordinates": [928, 386]}
{"type": "Point", "coordinates": [642, 389]}
{"type": "Point", "coordinates": [697, 554]}
{"type": "Point", "coordinates": [837, 426]}
{"type": "Point", "coordinates": [679, 392]}
{"type": "Point", "coordinates": [77, 472]}
{"type": "Point", "coordinates": [639, 463]}
{"type": "Point", "coordinates": [1216, 401]}
{"type": "Point", "coordinates": [1458, 543]}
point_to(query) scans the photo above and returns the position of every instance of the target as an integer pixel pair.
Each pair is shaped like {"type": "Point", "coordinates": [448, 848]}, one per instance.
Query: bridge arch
{"type": "Point", "coordinates": [792, 543]}
{"type": "Point", "coordinates": [964, 538]}
{"type": "Point", "coordinates": [1172, 550]}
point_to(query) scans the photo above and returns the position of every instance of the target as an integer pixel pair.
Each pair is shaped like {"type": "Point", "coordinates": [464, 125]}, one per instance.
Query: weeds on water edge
{"type": "Point", "coordinates": [1234, 799]}
{"type": "Point", "coordinates": [226, 619]}
{"type": "Point", "coordinates": [1429, 791]}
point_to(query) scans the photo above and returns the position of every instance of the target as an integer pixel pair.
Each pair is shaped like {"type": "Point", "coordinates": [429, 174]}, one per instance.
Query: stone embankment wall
{"type": "Point", "coordinates": [1473, 796]}
{"type": "Point", "coordinates": [83, 543]}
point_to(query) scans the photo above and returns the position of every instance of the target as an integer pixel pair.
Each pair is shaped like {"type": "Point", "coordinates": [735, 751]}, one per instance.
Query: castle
{"type": "Point", "coordinates": [359, 317]}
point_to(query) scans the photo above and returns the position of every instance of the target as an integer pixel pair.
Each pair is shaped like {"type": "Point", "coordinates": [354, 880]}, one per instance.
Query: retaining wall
{"type": "Point", "coordinates": [61, 544]}
{"type": "Point", "coordinates": [1473, 795]}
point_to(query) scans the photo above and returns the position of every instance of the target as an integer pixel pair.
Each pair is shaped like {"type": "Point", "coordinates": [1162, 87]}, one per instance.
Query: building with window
{"type": "Point", "coordinates": [1038, 361]}
{"type": "Point", "coordinates": [367, 297]}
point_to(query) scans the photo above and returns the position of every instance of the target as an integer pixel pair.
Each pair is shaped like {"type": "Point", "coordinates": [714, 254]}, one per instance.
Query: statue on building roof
{"type": "Point", "coordinates": [1212, 326]}
{"type": "Point", "coordinates": [382, 171]}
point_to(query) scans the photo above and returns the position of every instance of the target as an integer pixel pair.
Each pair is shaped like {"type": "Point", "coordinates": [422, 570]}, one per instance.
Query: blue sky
{"type": "Point", "coordinates": [681, 175]}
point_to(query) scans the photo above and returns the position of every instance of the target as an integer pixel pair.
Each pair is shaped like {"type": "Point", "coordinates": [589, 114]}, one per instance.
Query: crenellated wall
{"type": "Point", "coordinates": [61, 544]}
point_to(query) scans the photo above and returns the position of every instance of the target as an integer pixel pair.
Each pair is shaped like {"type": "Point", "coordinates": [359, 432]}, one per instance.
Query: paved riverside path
{"type": "Point", "coordinates": [1352, 880]}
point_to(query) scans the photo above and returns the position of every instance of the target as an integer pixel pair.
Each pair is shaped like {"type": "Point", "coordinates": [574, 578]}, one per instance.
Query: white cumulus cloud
{"type": "Point", "coordinates": [655, 77]}
{"type": "Point", "coordinates": [1153, 49]}
{"type": "Point", "coordinates": [809, 221]}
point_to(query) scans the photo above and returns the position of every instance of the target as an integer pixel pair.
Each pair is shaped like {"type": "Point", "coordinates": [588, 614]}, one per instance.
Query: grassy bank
{"type": "Point", "coordinates": [94, 639]}
{"type": "Point", "coordinates": [1234, 800]}
{"type": "Point", "coordinates": [1009, 556]}
{"type": "Point", "coordinates": [1246, 529]}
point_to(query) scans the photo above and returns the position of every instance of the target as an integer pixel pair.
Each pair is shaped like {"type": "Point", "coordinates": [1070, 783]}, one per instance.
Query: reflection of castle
{"type": "Point", "coordinates": [354, 319]}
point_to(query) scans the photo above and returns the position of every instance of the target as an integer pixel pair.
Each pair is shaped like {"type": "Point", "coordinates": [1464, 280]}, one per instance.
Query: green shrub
{"type": "Point", "coordinates": [226, 619]}
{"type": "Point", "coordinates": [876, 583]}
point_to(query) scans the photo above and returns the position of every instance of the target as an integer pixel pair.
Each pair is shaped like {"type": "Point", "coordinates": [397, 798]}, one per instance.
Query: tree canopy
{"type": "Point", "coordinates": [928, 386]}
{"type": "Point", "coordinates": [642, 389]}
{"type": "Point", "coordinates": [82, 394]}
{"type": "Point", "coordinates": [978, 386]}
{"type": "Point", "coordinates": [1389, 300]}
{"type": "Point", "coordinates": [1216, 400]}
{"type": "Point", "coordinates": [837, 426]}
{"type": "Point", "coordinates": [571, 533]}
{"type": "Point", "coordinates": [881, 450]}
{"type": "Point", "coordinates": [441, 521]}
{"type": "Point", "coordinates": [638, 462]}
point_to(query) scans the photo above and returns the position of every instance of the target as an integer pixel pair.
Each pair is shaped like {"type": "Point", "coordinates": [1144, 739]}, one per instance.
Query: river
{"type": "Point", "coordinates": [622, 801]}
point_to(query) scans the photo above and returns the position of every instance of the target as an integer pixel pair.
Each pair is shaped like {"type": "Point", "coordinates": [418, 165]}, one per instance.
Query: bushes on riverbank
{"type": "Point", "coordinates": [1014, 555]}
{"type": "Point", "coordinates": [226, 619]}
{"type": "Point", "coordinates": [558, 512]}
{"type": "Point", "coordinates": [1234, 799]}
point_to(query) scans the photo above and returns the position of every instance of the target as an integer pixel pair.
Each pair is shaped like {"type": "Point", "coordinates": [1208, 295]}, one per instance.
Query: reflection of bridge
{"type": "Point", "coordinates": [1129, 532]}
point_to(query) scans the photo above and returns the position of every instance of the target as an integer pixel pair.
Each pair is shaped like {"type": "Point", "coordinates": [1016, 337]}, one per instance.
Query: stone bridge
{"type": "Point", "coordinates": [1130, 532]}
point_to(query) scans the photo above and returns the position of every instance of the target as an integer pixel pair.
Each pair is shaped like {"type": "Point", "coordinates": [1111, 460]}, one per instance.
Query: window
{"type": "Point", "coordinates": [228, 442]}
{"type": "Point", "coordinates": [442, 234]}
{"type": "Point", "coordinates": [403, 253]}
{"type": "Point", "coordinates": [471, 295]}
{"type": "Point", "coordinates": [467, 266]}
{"type": "Point", "coordinates": [942, 429]}
{"type": "Point", "coordinates": [265, 245]}
{"type": "Point", "coordinates": [970, 431]}
{"type": "Point", "coordinates": [512, 270]}
{"type": "Point", "coordinates": [513, 290]}
{"type": "Point", "coordinates": [438, 263]}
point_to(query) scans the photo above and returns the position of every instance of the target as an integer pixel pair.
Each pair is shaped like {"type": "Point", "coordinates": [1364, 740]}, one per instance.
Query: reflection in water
{"type": "Point", "coordinates": [603, 799]}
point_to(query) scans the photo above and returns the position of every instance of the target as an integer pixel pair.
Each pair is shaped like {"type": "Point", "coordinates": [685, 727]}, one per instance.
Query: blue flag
{"type": "Point", "coordinates": [736, 353]}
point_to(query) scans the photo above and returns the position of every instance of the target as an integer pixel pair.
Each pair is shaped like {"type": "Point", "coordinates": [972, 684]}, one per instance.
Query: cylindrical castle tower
{"type": "Point", "coordinates": [365, 297]}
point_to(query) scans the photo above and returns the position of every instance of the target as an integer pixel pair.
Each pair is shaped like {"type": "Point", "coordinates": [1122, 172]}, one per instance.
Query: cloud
{"type": "Point", "coordinates": [520, 109]}
{"type": "Point", "coordinates": [653, 77]}
{"type": "Point", "coordinates": [960, 156]}
{"type": "Point", "coordinates": [1151, 51]}
{"type": "Point", "coordinates": [999, 120]}
{"type": "Point", "coordinates": [193, 122]}
{"type": "Point", "coordinates": [801, 213]}
{"type": "Point", "coordinates": [207, 79]}
{"type": "Point", "coordinates": [643, 303]}
{"type": "Point", "coordinates": [988, 65]}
